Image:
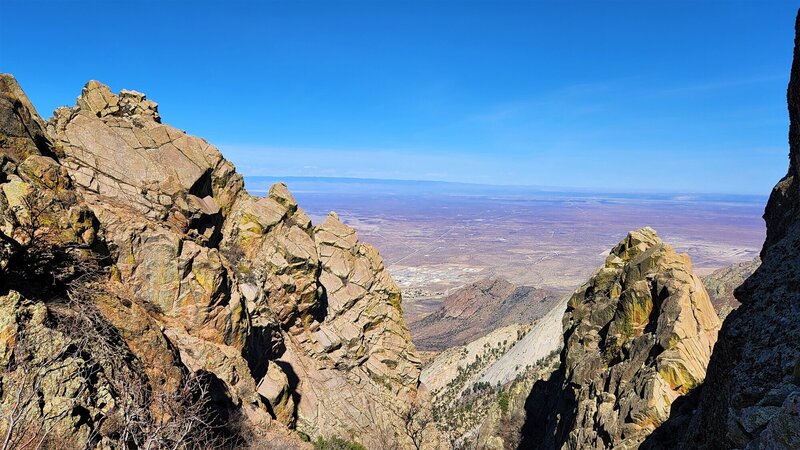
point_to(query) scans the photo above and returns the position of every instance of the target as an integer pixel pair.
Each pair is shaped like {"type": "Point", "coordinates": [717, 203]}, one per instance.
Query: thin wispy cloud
{"type": "Point", "coordinates": [717, 85]}
{"type": "Point", "coordinates": [576, 99]}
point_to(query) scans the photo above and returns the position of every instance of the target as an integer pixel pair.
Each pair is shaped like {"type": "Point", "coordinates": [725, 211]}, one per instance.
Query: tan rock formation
{"type": "Point", "coordinates": [294, 322]}
{"type": "Point", "coordinates": [637, 337]}
{"type": "Point", "coordinates": [359, 359]}
{"type": "Point", "coordinates": [158, 195]}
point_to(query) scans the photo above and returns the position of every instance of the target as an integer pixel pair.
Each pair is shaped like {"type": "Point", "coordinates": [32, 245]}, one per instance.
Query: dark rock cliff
{"type": "Point", "coordinates": [751, 397]}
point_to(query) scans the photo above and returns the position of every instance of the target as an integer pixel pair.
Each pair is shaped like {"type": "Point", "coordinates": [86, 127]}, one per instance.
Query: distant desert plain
{"type": "Point", "coordinates": [436, 237]}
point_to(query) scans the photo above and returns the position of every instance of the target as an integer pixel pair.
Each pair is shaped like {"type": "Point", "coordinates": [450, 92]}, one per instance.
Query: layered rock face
{"type": "Point", "coordinates": [478, 309]}
{"type": "Point", "coordinates": [637, 336]}
{"type": "Point", "coordinates": [751, 398]}
{"type": "Point", "coordinates": [299, 325]}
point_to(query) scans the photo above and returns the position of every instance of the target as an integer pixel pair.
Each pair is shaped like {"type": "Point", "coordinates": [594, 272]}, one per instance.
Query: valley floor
{"type": "Point", "coordinates": [439, 237]}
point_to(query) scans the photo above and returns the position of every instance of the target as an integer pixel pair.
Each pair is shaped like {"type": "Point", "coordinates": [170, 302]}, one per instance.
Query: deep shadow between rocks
{"type": "Point", "coordinates": [670, 433]}
{"type": "Point", "coordinates": [294, 381]}
{"type": "Point", "coordinates": [548, 412]}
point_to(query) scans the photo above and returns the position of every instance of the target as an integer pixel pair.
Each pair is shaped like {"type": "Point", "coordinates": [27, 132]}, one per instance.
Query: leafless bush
{"type": "Point", "coordinates": [239, 262]}
{"type": "Point", "coordinates": [413, 424]}
{"type": "Point", "coordinates": [185, 422]}
{"type": "Point", "coordinates": [146, 417]}
{"type": "Point", "coordinates": [91, 354]}
{"type": "Point", "coordinates": [385, 435]}
{"type": "Point", "coordinates": [40, 354]}
{"type": "Point", "coordinates": [37, 253]}
{"type": "Point", "coordinates": [24, 424]}
{"type": "Point", "coordinates": [417, 421]}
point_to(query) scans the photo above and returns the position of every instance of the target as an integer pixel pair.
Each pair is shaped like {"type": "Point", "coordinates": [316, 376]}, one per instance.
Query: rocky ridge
{"type": "Point", "coordinates": [479, 389]}
{"type": "Point", "coordinates": [637, 337]}
{"type": "Point", "coordinates": [467, 409]}
{"type": "Point", "coordinates": [477, 309]}
{"type": "Point", "coordinates": [296, 325]}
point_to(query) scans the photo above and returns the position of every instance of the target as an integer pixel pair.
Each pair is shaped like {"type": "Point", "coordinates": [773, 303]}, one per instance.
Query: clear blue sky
{"type": "Point", "coordinates": [657, 96]}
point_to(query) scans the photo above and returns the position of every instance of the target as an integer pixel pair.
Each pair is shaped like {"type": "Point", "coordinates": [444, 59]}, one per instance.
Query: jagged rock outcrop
{"type": "Point", "coordinates": [294, 324]}
{"type": "Point", "coordinates": [23, 131]}
{"type": "Point", "coordinates": [35, 189]}
{"type": "Point", "coordinates": [637, 336]}
{"type": "Point", "coordinates": [53, 388]}
{"type": "Point", "coordinates": [346, 347]}
{"type": "Point", "coordinates": [477, 309]}
{"type": "Point", "coordinates": [751, 397]}
{"type": "Point", "coordinates": [160, 197]}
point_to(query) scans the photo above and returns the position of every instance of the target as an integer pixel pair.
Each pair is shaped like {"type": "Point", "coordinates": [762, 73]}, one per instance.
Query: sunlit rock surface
{"type": "Point", "coordinates": [300, 325]}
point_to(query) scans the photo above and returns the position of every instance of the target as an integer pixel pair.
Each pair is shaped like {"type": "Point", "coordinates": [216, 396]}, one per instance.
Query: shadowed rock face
{"type": "Point", "coordinates": [637, 336]}
{"type": "Point", "coordinates": [751, 397]}
{"type": "Point", "coordinates": [297, 323]}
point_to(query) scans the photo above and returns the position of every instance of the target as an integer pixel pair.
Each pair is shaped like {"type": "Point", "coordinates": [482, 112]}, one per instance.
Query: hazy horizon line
{"type": "Point", "coordinates": [543, 188]}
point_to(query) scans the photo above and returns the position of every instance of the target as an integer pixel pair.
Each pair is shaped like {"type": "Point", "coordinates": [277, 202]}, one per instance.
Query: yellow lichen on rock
{"type": "Point", "coordinates": [638, 335]}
